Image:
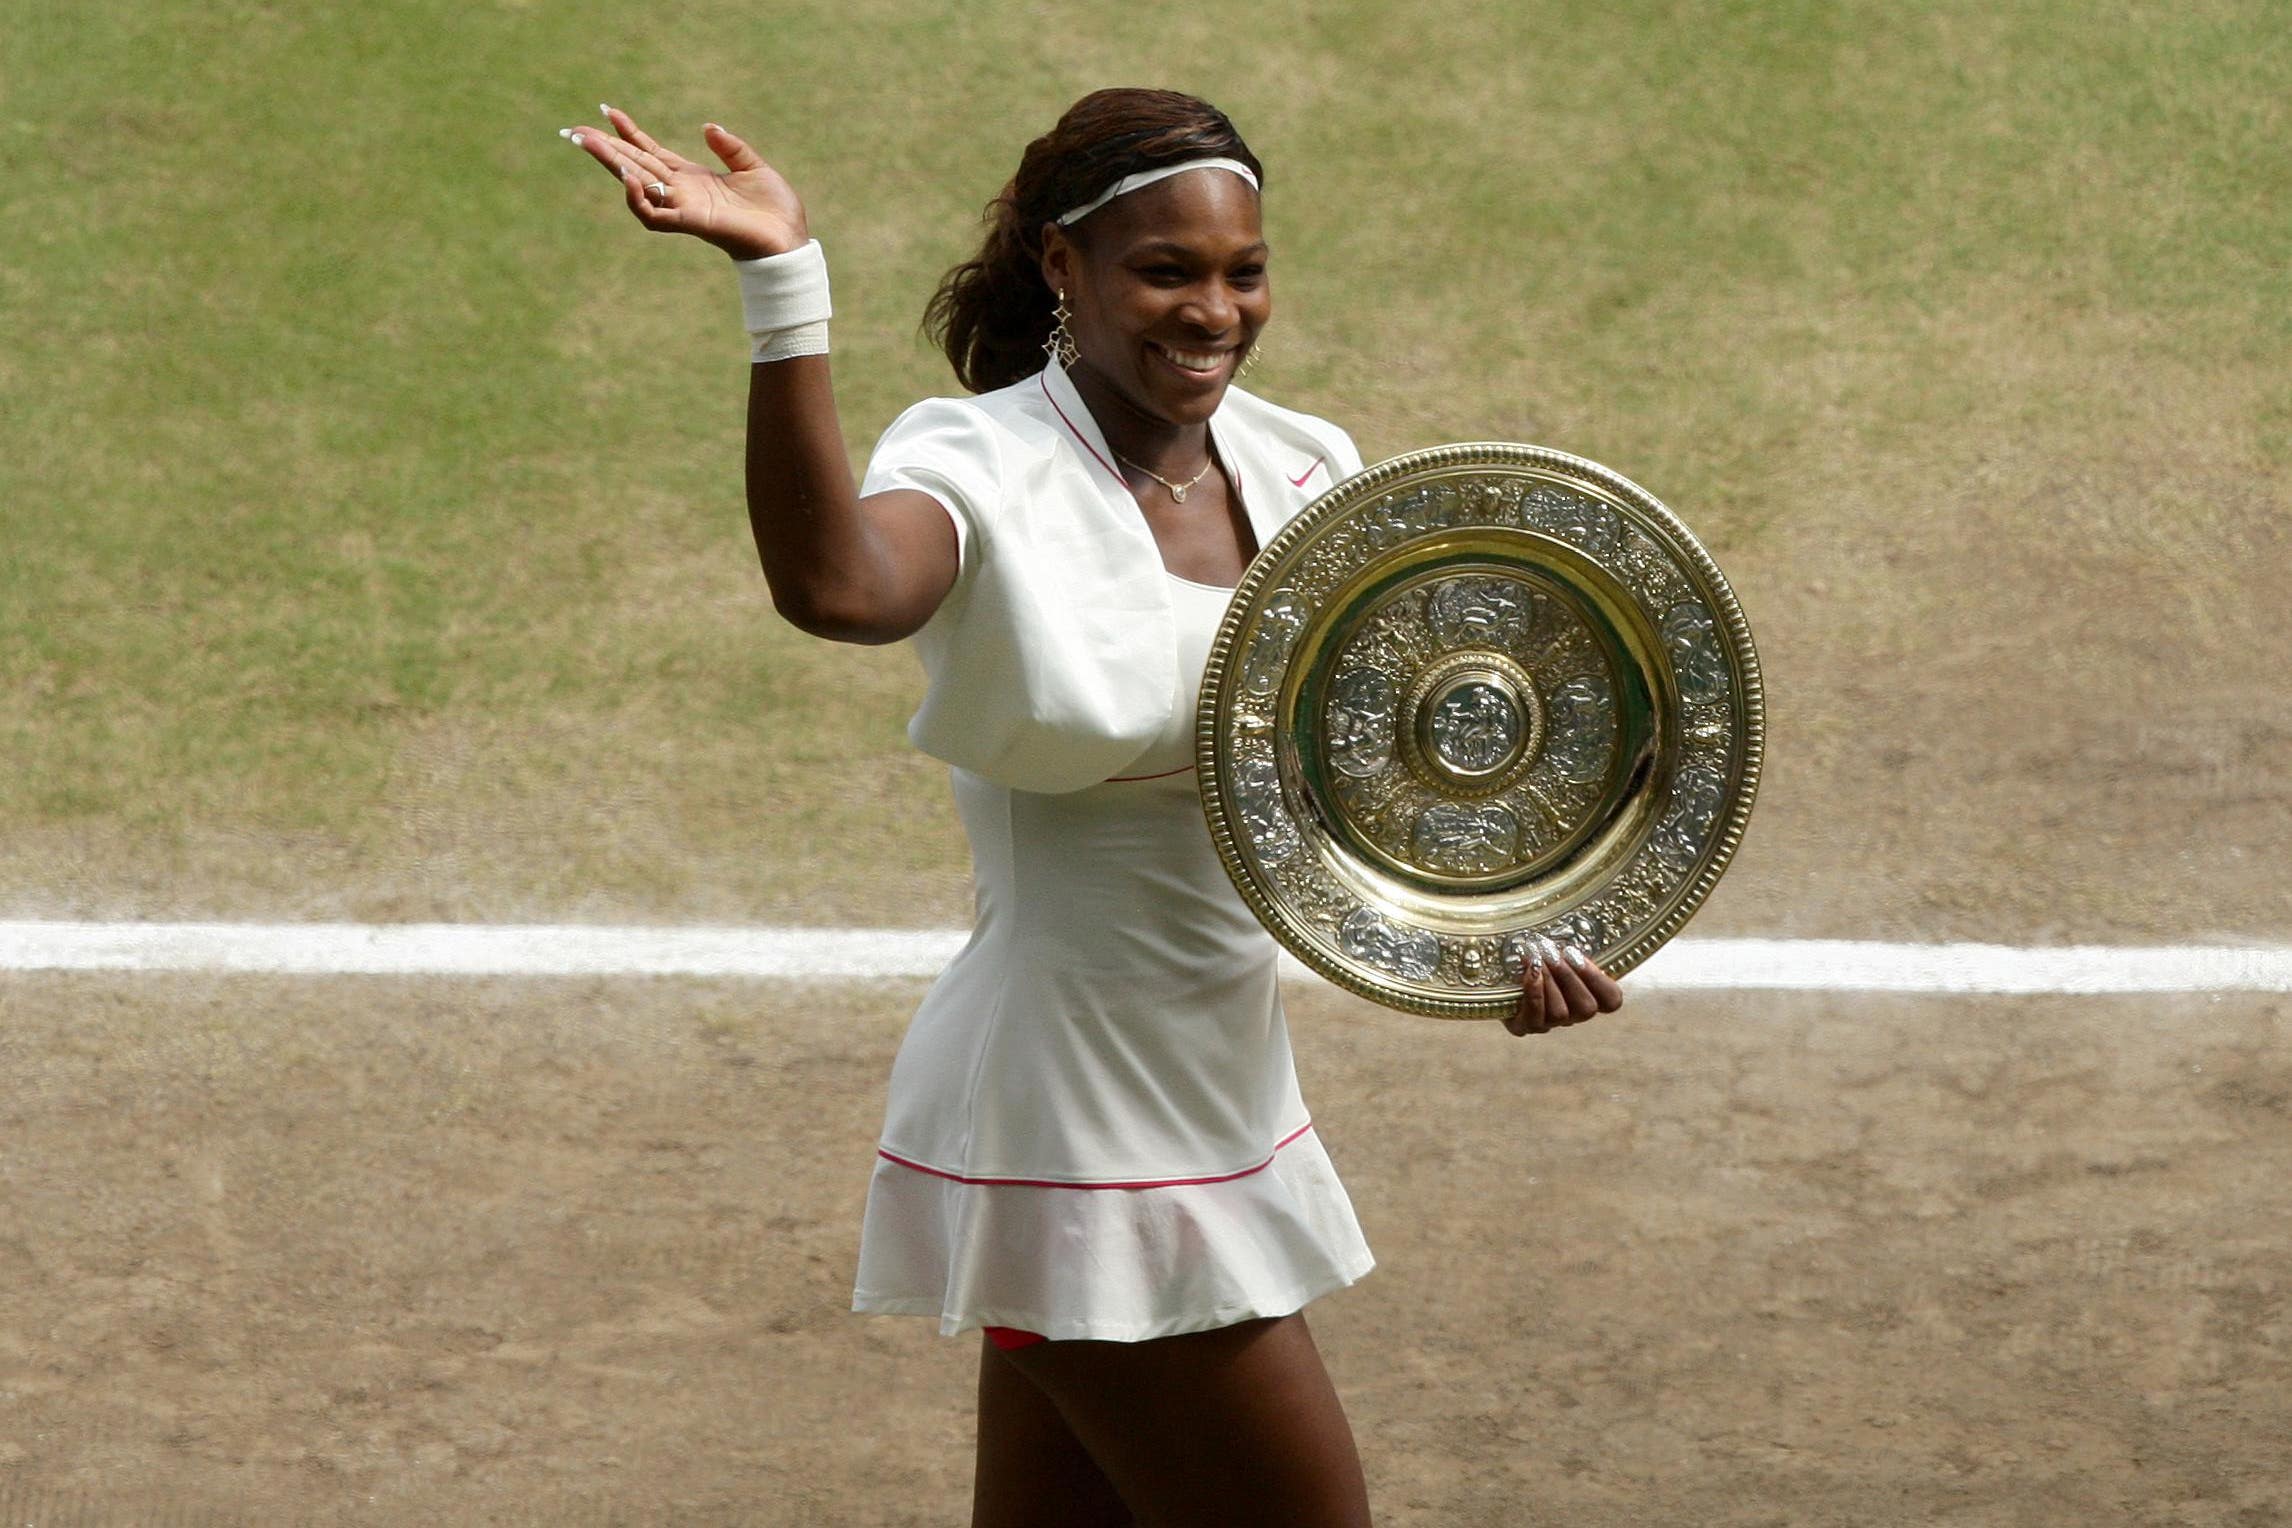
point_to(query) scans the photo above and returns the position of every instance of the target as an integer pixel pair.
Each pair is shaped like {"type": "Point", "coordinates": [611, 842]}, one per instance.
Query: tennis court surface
{"type": "Point", "coordinates": [377, 1250]}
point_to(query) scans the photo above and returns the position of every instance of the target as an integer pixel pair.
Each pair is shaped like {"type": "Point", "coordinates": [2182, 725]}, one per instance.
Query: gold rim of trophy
{"type": "Point", "coordinates": [1472, 696]}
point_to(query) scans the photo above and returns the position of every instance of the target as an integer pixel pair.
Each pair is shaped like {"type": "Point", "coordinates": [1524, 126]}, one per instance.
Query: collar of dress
{"type": "Point", "coordinates": [1232, 443]}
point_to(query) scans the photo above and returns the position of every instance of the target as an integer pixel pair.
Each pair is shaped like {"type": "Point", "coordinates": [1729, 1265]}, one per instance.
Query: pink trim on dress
{"type": "Point", "coordinates": [900, 1161]}
{"type": "Point", "coordinates": [1134, 779]}
{"type": "Point", "coordinates": [1080, 439]}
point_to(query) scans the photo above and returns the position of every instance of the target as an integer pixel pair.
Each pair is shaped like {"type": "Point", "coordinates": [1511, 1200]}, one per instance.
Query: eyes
{"type": "Point", "coordinates": [1247, 276]}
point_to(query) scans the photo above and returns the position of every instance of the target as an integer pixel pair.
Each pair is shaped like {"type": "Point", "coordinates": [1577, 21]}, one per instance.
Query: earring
{"type": "Point", "coordinates": [1249, 362]}
{"type": "Point", "coordinates": [1058, 345]}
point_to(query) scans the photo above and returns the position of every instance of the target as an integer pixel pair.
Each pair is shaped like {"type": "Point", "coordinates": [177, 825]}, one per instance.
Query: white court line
{"type": "Point", "coordinates": [849, 954]}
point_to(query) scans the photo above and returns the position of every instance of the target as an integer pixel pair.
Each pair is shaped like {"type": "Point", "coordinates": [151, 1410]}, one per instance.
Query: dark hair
{"type": "Point", "coordinates": [992, 313]}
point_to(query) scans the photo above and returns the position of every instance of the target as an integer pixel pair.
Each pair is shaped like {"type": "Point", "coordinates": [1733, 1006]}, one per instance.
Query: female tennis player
{"type": "Point", "coordinates": [1095, 1150]}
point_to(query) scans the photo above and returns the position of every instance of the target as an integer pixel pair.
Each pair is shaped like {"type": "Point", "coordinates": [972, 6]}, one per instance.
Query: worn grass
{"type": "Point", "coordinates": [378, 1252]}
{"type": "Point", "coordinates": [370, 484]}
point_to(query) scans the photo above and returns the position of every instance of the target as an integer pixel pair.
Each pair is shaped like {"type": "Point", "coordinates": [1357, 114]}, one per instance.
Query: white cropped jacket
{"type": "Point", "coordinates": [1051, 661]}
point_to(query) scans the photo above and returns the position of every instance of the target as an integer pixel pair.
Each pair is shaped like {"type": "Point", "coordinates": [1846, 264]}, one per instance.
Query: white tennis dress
{"type": "Point", "coordinates": [1094, 1127]}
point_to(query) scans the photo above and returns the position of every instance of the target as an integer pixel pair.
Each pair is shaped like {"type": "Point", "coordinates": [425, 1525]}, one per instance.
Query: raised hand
{"type": "Point", "coordinates": [1563, 987]}
{"type": "Point", "coordinates": [747, 209]}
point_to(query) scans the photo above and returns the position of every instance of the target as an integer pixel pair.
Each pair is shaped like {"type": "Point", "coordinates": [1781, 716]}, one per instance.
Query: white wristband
{"type": "Point", "coordinates": [784, 301]}
{"type": "Point", "coordinates": [780, 344]}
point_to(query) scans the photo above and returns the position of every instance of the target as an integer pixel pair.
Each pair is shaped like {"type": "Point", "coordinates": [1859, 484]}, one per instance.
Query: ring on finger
{"type": "Point", "coordinates": [658, 190]}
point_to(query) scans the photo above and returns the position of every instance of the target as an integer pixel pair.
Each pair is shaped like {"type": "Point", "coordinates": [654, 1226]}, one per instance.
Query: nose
{"type": "Point", "coordinates": [1212, 308]}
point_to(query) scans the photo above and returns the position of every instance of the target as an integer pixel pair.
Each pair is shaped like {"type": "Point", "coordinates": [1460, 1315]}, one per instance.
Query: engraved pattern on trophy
{"type": "Point", "coordinates": [1583, 522]}
{"type": "Point", "coordinates": [1359, 724]}
{"type": "Point", "coordinates": [1257, 792]}
{"type": "Point", "coordinates": [1581, 730]}
{"type": "Point", "coordinates": [1635, 896]}
{"type": "Point", "coordinates": [1278, 627]}
{"type": "Point", "coordinates": [1307, 890]}
{"type": "Point", "coordinates": [1472, 723]}
{"type": "Point", "coordinates": [1477, 727]}
{"type": "Point", "coordinates": [1649, 570]}
{"type": "Point", "coordinates": [1691, 636]}
{"type": "Point", "coordinates": [1373, 798]}
{"type": "Point", "coordinates": [1478, 963]}
{"type": "Point", "coordinates": [1251, 726]}
{"type": "Point", "coordinates": [1685, 831]}
{"type": "Point", "coordinates": [1460, 665]}
{"type": "Point", "coordinates": [1708, 729]}
{"type": "Point", "coordinates": [1410, 953]}
{"type": "Point", "coordinates": [1484, 610]}
{"type": "Point", "coordinates": [1467, 838]}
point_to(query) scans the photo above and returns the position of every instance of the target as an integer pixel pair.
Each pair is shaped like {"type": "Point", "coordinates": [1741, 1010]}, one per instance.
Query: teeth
{"type": "Point", "coordinates": [1196, 360]}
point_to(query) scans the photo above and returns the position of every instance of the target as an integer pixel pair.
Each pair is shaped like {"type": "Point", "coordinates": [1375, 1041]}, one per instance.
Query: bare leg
{"type": "Point", "coordinates": [1033, 1472]}
{"type": "Point", "coordinates": [1238, 1425]}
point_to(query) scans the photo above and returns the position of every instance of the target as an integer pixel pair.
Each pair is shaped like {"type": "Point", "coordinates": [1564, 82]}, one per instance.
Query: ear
{"type": "Point", "coordinates": [1061, 259]}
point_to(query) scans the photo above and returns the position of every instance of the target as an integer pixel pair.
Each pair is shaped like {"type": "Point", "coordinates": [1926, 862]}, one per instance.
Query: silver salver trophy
{"type": "Point", "coordinates": [1471, 696]}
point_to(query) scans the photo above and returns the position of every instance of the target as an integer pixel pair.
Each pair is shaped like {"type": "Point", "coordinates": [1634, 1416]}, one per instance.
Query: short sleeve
{"type": "Point", "coordinates": [947, 448]}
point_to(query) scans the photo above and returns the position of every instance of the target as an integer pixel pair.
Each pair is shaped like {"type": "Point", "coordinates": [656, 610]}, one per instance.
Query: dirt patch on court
{"type": "Point", "coordinates": [572, 1252]}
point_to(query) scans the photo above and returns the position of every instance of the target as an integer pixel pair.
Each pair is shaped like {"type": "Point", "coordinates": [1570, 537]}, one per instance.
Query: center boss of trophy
{"type": "Point", "coordinates": [1474, 718]}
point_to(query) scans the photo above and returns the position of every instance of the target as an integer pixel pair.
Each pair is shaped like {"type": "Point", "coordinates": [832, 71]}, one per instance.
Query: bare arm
{"type": "Point", "coordinates": [853, 569]}
{"type": "Point", "coordinates": [843, 567]}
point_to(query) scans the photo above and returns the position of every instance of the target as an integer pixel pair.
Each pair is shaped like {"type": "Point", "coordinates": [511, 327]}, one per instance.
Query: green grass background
{"type": "Point", "coordinates": [370, 482]}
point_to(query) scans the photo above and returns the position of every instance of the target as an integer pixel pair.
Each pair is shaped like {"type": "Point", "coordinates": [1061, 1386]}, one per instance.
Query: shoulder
{"type": "Point", "coordinates": [938, 431]}
{"type": "Point", "coordinates": [1017, 407]}
{"type": "Point", "coordinates": [1289, 427]}
{"type": "Point", "coordinates": [976, 455]}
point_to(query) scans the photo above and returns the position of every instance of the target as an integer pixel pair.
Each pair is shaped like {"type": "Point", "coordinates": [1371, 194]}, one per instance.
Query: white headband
{"type": "Point", "coordinates": [1130, 183]}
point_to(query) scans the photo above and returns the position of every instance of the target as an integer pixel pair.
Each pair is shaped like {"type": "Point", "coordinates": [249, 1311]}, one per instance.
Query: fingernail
{"type": "Point", "coordinates": [1551, 950]}
{"type": "Point", "coordinates": [569, 136]}
{"type": "Point", "coordinates": [607, 110]}
{"type": "Point", "coordinates": [1576, 957]}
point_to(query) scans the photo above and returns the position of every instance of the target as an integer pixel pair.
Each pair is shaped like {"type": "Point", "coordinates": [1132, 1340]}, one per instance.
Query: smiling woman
{"type": "Point", "coordinates": [1095, 1149]}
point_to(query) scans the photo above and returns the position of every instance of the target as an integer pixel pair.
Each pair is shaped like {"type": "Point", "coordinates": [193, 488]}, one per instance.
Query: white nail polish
{"type": "Point", "coordinates": [572, 137]}
{"type": "Point", "coordinates": [1576, 958]}
{"type": "Point", "coordinates": [604, 109]}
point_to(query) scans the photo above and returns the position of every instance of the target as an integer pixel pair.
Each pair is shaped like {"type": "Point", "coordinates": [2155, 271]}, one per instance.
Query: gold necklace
{"type": "Point", "coordinates": [1178, 491]}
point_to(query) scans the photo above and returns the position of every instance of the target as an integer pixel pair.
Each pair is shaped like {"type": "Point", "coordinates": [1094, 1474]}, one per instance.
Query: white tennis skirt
{"type": "Point", "coordinates": [1108, 1263]}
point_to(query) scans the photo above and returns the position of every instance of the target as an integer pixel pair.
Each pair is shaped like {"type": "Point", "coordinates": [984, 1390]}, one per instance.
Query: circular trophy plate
{"type": "Point", "coordinates": [1471, 696]}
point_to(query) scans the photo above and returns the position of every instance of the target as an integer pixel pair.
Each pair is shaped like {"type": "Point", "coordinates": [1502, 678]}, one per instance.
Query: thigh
{"type": "Point", "coordinates": [1032, 1471]}
{"type": "Point", "coordinates": [1238, 1425]}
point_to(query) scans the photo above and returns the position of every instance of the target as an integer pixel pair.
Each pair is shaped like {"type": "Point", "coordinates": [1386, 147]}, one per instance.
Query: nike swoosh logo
{"type": "Point", "coordinates": [1299, 480]}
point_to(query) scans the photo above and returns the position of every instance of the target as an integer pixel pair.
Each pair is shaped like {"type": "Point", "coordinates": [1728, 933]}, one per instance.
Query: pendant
{"type": "Point", "coordinates": [1178, 494]}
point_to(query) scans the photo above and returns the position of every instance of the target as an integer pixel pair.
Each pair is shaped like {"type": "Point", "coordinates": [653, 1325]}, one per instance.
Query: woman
{"type": "Point", "coordinates": [1094, 1150]}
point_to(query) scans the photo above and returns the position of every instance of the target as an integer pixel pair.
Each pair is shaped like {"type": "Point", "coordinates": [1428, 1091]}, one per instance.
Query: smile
{"type": "Point", "coordinates": [1199, 362]}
